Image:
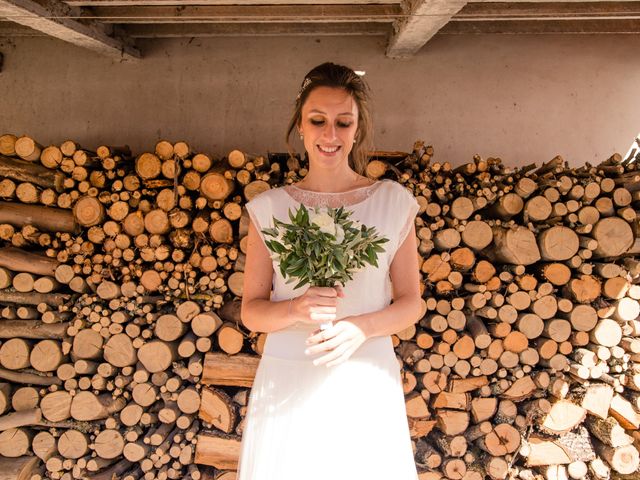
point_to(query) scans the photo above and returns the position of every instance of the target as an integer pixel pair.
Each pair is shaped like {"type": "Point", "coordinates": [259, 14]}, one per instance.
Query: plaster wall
{"type": "Point", "coordinates": [522, 98]}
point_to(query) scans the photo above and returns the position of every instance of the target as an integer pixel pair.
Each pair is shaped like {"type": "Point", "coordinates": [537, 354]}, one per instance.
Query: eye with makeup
{"type": "Point", "coordinates": [321, 122]}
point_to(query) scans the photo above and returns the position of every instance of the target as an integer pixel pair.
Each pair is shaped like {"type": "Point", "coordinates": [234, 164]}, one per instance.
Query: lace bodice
{"type": "Point", "coordinates": [331, 199]}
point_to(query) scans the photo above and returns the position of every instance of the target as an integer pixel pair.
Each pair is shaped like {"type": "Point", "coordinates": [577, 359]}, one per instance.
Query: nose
{"type": "Point", "coordinates": [330, 131]}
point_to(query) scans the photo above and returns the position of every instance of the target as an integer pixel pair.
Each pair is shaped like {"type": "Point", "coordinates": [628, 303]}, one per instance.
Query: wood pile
{"type": "Point", "coordinates": [122, 351]}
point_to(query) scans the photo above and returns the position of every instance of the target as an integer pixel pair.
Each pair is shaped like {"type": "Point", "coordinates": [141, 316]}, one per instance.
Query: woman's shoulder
{"type": "Point", "coordinates": [266, 196]}
{"type": "Point", "coordinates": [396, 189]}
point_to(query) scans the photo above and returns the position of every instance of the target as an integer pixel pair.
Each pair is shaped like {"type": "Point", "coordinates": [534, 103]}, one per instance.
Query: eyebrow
{"type": "Point", "coordinates": [320, 111]}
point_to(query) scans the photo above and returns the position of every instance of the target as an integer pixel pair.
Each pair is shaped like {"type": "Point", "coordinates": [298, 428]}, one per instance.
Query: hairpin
{"type": "Point", "coordinates": [305, 84]}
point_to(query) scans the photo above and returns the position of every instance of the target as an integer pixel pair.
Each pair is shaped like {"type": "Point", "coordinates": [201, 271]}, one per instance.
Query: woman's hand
{"type": "Point", "coordinates": [317, 304]}
{"type": "Point", "coordinates": [340, 340]}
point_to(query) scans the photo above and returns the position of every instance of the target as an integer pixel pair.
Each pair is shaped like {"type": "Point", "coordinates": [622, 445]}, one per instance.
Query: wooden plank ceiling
{"type": "Point", "coordinates": [111, 27]}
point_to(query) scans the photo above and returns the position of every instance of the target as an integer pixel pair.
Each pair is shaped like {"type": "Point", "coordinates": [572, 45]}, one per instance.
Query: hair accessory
{"type": "Point", "coordinates": [305, 84]}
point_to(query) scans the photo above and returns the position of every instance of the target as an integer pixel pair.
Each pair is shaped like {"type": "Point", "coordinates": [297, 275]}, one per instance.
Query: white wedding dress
{"type": "Point", "coordinates": [344, 422]}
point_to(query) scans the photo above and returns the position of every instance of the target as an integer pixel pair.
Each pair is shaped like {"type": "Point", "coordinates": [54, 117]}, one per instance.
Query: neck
{"type": "Point", "coordinates": [330, 181]}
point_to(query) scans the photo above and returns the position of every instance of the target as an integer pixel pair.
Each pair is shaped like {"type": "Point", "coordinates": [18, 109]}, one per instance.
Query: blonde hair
{"type": "Point", "coordinates": [338, 76]}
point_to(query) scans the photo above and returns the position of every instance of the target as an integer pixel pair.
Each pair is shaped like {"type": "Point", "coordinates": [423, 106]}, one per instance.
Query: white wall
{"type": "Point", "coordinates": [523, 98]}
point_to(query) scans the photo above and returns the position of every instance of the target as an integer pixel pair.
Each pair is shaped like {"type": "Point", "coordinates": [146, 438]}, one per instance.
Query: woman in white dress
{"type": "Point", "coordinates": [328, 404]}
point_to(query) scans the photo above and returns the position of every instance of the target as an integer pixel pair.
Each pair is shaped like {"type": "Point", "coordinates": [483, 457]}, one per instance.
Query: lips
{"type": "Point", "coordinates": [328, 150]}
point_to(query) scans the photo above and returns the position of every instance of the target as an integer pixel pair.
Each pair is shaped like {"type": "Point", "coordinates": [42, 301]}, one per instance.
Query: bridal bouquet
{"type": "Point", "coordinates": [322, 247]}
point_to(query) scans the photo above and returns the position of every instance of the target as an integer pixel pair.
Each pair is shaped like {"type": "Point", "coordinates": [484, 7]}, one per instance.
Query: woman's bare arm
{"type": "Point", "coordinates": [258, 313]}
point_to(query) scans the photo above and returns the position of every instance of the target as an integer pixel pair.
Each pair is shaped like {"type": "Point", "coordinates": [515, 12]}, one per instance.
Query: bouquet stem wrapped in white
{"type": "Point", "coordinates": [322, 247]}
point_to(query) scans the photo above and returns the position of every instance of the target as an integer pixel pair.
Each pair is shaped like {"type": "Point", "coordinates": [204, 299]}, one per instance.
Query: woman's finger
{"type": "Point", "coordinates": [322, 335]}
{"type": "Point", "coordinates": [327, 309]}
{"type": "Point", "coordinates": [333, 355]}
{"type": "Point", "coordinates": [322, 317]}
{"type": "Point", "coordinates": [330, 344]}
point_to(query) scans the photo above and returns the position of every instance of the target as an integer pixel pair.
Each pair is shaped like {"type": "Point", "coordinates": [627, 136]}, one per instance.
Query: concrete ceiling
{"type": "Point", "coordinates": [111, 27]}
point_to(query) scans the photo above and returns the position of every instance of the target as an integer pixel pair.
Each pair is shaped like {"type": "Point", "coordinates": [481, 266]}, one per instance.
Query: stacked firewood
{"type": "Point", "coordinates": [525, 362]}
{"type": "Point", "coordinates": [113, 275]}
{"type": "Point", "coordinates": [123, 352]}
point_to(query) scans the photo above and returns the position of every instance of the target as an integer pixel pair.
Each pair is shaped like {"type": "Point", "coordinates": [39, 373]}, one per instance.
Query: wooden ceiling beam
{"type": "Point", "coordinates": [128, 3]}
{"type": "Point", "coordinates": [246, 14]}
{"type": "Point", "coordinates": [422, 20]}
{"type": "Point", "coordinates": [547, 10]}
{"type": "Point", "coordinates": [617, 26]}
{"type": "Point", "coordinates": [253, 29]}
{"type": "Point", "coordinates": [56, 19]}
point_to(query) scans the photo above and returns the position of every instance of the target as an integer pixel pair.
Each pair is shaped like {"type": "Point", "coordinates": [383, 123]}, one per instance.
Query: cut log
{"type": "Point", "coordinates": [515, 246]}
{"type": "Point", "coordinates": [220, 451]}
{"type": "Point", "coordinates": [238, 370]}
{"type": "Point", "coordinates": [558, 243]}
{"type": "Point", "coordinates": [564, 416]}
{"type": "Point", "coordinates": [44, 218]}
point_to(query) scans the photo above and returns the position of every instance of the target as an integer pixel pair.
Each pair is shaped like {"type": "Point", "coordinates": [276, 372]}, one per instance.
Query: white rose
{"type": "Point", "coordinates": [324, 221]}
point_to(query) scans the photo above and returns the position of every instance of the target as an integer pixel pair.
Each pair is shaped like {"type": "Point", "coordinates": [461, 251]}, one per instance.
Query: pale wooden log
{"type": "Point", "coordinates": [205, 324]}
{"type": "Point", "coordinates": [503, 439]}
{"type": "Point", "coordinates": [119, 351]}
{"type": "Point", "coordinates": [114, 471]}
{"type": "Point", "coordinates": [87, 406]}
{"type": "Point", "coordinates": [6, 278]}
{"type": "Point", "coordinates": [564, 416]}
{"type": "Point", "coordinates": [452, 422]}
{"type": "Point", "coordinates": [73, 444]}
{"type": "Point", "coordinates": [583, 318]}
{"type": "Point", "coordinates": [608, 431]}
{"type": "Point", "coordinates": [148, 166]}
{"type": "Point", "coordinates": [626, 309]}
{"type": "Point", "coordinates": [5, 397]}
{"type": "Point", "coordinates": [44, 445]}
{"type": "Point", "coordinates": [624, 460]}
{"type": "Point", "coordinates": [15, 442]}
{"type": "Point", "coordinates": [88, 211]}
{"type": "Point", "coordinates": [558, 243]}
{"type": "Point", "coordinates": [596, 399]}
{"type": "Point", "coordinates": [607, 333]}
{"type": "Point", "coordinates": [622, 410]}
{"type": "Point", "coordinates": [108, 444]}
{"type": "Point", "coordinates": [56, 406]}
{"type": "Point", "coordinates": [44, 218]}
{"type": "Point", "coordinates": [20, 419]}
{"type": "Point", "coordinates": [32, 329]}
{"type": "Point", "coordinates": [169, 328]}
{"type": "Point", "coordinates": [27, 172]}
{"type": "Point", "coordinates": [87, 344]}
{"type": "Point", "coordinates": [477, 235]}
{"type": "Point", "coordinates": [19, 260]}
{"type": "Point", "coordinates": [483, 408]}
{"type": "Point", "coordinates": [30, 378]}
{"type": "Point", "coordinates": [23, 282]}
{"type": "Point", "coordinates": [515, 246]}
{"type": "Point", "coordinates": [20, 468]}
{"type": "Point", "coordinates": [216, 408]}
{"type": "Point", "coordinates": [46, 356]}
{"type": "Point", "coordinates": [219, 451]}
{"type": "Point", "coordinates": [544, 450]}
{"type": "Point", "coordinates": [614, 237]}
{"type": "Point", "coordinates": [496, 468]}
{"type": "Point", "coordinates": [157, 355]}
{"type": "Point", "coordinates": [507, 206]}
{"type": "Point", "coordinates": [230, 338]}
{"type": "Point", "coordinates": [8, 144]}
{"type": "Point", "coordinates": [14, 354]}
{"type": "Point", "coordinates": [215, 186]}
